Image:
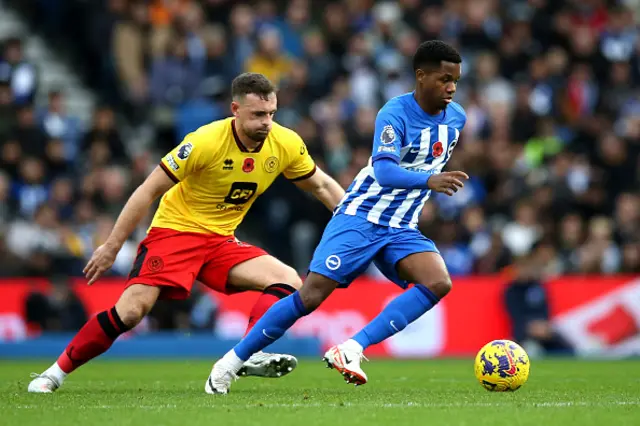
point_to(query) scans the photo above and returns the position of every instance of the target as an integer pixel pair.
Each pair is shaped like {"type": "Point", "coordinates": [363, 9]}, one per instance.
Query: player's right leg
{"type": "Point", "coordinates": [97, 336]}
{"type": "Point", "coordinates": [345, 251]}
{"type": "Point", "coordinates": [165, 267]}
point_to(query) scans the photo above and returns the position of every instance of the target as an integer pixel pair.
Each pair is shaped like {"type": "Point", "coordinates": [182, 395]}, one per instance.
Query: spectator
{"type": "Point", "coordinates": [7, 109]}
{"type": "Point", "coordinates": [218, 71]}
{"type": "Point", "coordinates": [18, 72]}
{"type": "Point", "coordinates": [11, 158]}
{"type": "Point", "coordinates": [59, 310]}
{"type": "Point", "coordinates": [61, 198]}
{"type": "Point", "coordinates": [176, 78]}
{"type": "Point", "coordinates": [36, 242]}
{"type": "Point", "coordinates": [600, 254]}
{"type": "Point", "coordinates": [104, 131]}
{"type": "Point", "coordinates": [56, 160]}
{"type": "Point", "coordinates": [322, 66]}
{"type": "Point", "coordinates": [528, 306]}
{"type": "Point", "coordinates": [130, 46]}
{"type": "Point", "coordinates": [242, 31]}
{"type": "Point", "coordinates": [27, 131]}
{"type": "Point", "coordinates": [520, 234]}
{"type": "Point", "coordinates": [30, 191]}
{"type": "Point", "coordinates": [269, 59]}
{"type": "Point", "coordinates": [57, 124]}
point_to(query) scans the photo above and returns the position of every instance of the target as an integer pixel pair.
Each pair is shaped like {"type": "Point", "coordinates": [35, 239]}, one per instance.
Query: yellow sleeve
{"type": "Point", "coordinates": [301, 166]}
{"type": "Point", "coordinates": [194, 153]}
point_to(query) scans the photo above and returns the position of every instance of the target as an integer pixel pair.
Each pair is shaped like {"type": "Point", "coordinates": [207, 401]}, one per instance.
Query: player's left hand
{"type": "Point", "coordinates": [447, 182]}
{"type": "Point", "coordinates": [101, 260]}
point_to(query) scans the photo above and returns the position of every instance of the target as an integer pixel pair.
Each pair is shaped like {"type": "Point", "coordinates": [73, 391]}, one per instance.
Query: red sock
{"type": "Point", "coordinates": [269, 296]}
{"type": "Point", "coordinates": [93, 339]}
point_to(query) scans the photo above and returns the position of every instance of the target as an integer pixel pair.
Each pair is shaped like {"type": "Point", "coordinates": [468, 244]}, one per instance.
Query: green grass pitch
{"type": "Point", "coordinates": [430, 392]}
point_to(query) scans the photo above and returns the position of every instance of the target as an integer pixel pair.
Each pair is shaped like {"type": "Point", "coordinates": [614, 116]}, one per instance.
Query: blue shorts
{"type": "Point", "coordinates": [350, 243]}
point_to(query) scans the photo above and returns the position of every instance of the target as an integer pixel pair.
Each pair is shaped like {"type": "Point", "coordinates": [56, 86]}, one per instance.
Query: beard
{"type": "Point", "coordinates": [256, 135]}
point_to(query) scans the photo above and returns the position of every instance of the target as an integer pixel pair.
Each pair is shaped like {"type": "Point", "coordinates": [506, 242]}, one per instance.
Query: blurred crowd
{"type": "Point", "coordinates": [552, 141]}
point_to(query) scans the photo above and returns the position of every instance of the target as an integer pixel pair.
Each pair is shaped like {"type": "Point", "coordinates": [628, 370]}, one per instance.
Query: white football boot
{"type": "Point", "coordinates": [347, 361]}
{"type": "Point", "coordinates": [220, 379]}
{"type": "Point", "coordinates": [43, 383]}
{"type": "Point", "coordinates": [263, 364]}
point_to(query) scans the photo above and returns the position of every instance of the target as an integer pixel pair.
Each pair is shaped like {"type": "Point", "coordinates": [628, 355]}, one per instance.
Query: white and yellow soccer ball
{"type": "Point", "coordinates": [502, 366]}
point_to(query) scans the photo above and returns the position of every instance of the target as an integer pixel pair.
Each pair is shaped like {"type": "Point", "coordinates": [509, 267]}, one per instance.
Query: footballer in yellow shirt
{"type": "Point", "coordinates": [219, 178]}
{"type": "Point", "coordinates": [207, 184]}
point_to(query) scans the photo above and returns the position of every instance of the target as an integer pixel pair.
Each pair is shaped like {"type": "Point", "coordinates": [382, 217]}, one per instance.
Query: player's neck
{"type": "Point", "coordinates": [431, 110]}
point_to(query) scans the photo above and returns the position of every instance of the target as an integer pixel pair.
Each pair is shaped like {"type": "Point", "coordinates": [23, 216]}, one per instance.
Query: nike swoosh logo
{"type": "Point", "coordinates": [266, 335]}
{"type": "Point", "coordinates": [394, 326]}
{"type": "Point", "coordinates": [413, 151]}
{"type": "Point", "coordinates": [347, 360]}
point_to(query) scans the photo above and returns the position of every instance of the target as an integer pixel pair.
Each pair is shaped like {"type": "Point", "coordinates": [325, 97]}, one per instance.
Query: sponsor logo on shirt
{"type": "Point", "coordinates": [172, 162]}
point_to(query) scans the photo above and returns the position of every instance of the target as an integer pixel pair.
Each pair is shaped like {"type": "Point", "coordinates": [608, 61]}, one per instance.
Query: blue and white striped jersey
{"type": "Point", "coordinates": [418, 142]}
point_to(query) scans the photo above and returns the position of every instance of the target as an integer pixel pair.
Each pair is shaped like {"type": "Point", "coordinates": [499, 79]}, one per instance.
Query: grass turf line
{"type": "Point", "coordinates": [430, 392]}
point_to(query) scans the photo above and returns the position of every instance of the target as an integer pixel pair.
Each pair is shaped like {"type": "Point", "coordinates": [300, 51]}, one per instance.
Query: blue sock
{"type": "Point", "coordinates": [273, 324]}
{"type": "Point", "coordinates": [399, 313]}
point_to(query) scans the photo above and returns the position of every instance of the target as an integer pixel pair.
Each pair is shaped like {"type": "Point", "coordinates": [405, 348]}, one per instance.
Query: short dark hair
{"type": "Point", "coordinates": [433, 52]}
{"type": "Point", "coordinates": [252, 83]}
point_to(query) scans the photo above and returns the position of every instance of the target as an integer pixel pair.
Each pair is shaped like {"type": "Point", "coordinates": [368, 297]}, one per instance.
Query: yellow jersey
{"type": "Point", "coordinates": [218, 179]}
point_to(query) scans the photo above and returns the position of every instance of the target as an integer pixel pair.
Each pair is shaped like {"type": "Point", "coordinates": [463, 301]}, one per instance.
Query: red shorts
{"type": "Point", "coordinates": [173, 260]}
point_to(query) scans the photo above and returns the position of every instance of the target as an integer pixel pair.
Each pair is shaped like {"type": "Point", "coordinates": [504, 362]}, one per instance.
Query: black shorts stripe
{"type": "Point", "coordinates": [137, 265]}
{"type": "Point", "coordinates": [106, 325]}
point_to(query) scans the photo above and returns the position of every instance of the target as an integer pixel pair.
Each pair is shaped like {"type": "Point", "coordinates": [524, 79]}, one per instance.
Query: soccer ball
{"type": "Point", "coordinates": [502, 366]}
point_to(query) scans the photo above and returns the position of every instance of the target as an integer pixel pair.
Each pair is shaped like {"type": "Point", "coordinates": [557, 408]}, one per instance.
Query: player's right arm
{"type": "Point", "coordinates": [387, 143]}
{"type": "Point", "coordinates": [136, 208]}
{"type": "Point", "coordinates": [193, 154]}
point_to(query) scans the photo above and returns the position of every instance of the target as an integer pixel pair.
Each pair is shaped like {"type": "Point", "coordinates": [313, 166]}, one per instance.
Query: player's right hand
{"type": "Point", "coordinates": [101, 260]}
{"type": "Point", "coordinates": [447, 182]}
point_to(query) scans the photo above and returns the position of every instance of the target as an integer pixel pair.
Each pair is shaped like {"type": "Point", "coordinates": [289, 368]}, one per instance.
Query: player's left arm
{"type": "Point", "coordinates": [302, 170]}
{"type": "Point", "coordinates": [323, 187]}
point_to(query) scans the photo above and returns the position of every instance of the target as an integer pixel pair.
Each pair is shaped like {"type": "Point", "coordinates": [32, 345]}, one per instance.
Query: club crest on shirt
{"type": "Point", "coordinates": [271, 164]}
{"type": "Point", "coordinates": [185, 151]}
{"type": "Point", "coordinates": [388, 135]}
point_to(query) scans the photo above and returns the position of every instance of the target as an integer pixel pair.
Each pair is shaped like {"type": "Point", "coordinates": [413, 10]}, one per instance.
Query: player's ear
{"type": "Point", "coordinates": [420, 74]}
{"type": "Point", "coordinates": [235, 108]}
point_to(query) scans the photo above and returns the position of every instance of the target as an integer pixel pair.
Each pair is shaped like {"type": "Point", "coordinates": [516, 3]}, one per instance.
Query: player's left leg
{"type": "Point", "coordinates": [428, 271]}
{"type": "Point", "coordinates": [234, 266]}
{"type": "Point", "coordinates": [268, 275]}
{"type": "Point", "coordinates": [408, 258]}
{"type": "Point", "coordinates": [275, 281]}
{"type": "Point", "coordinates": [347, 247]}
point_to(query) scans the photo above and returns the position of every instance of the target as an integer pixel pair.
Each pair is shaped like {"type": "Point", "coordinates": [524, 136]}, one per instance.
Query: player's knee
{"type": "Point", "coordinates": [315, 290]}
{"type": "Point", "coordinates": [440, 287]}
{"type": "Point", "coordinates": [287, 275]}
{"type": "Point", "coordinates": [132, 315]}
{"type": "Point", "coordinates": [135, 303]}
{"type": "Point", "coordinates": [311, 297]}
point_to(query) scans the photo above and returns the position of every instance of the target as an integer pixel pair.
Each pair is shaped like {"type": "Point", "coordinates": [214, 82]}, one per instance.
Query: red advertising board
{"type": "Point", "coordinates": [601, 312]}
